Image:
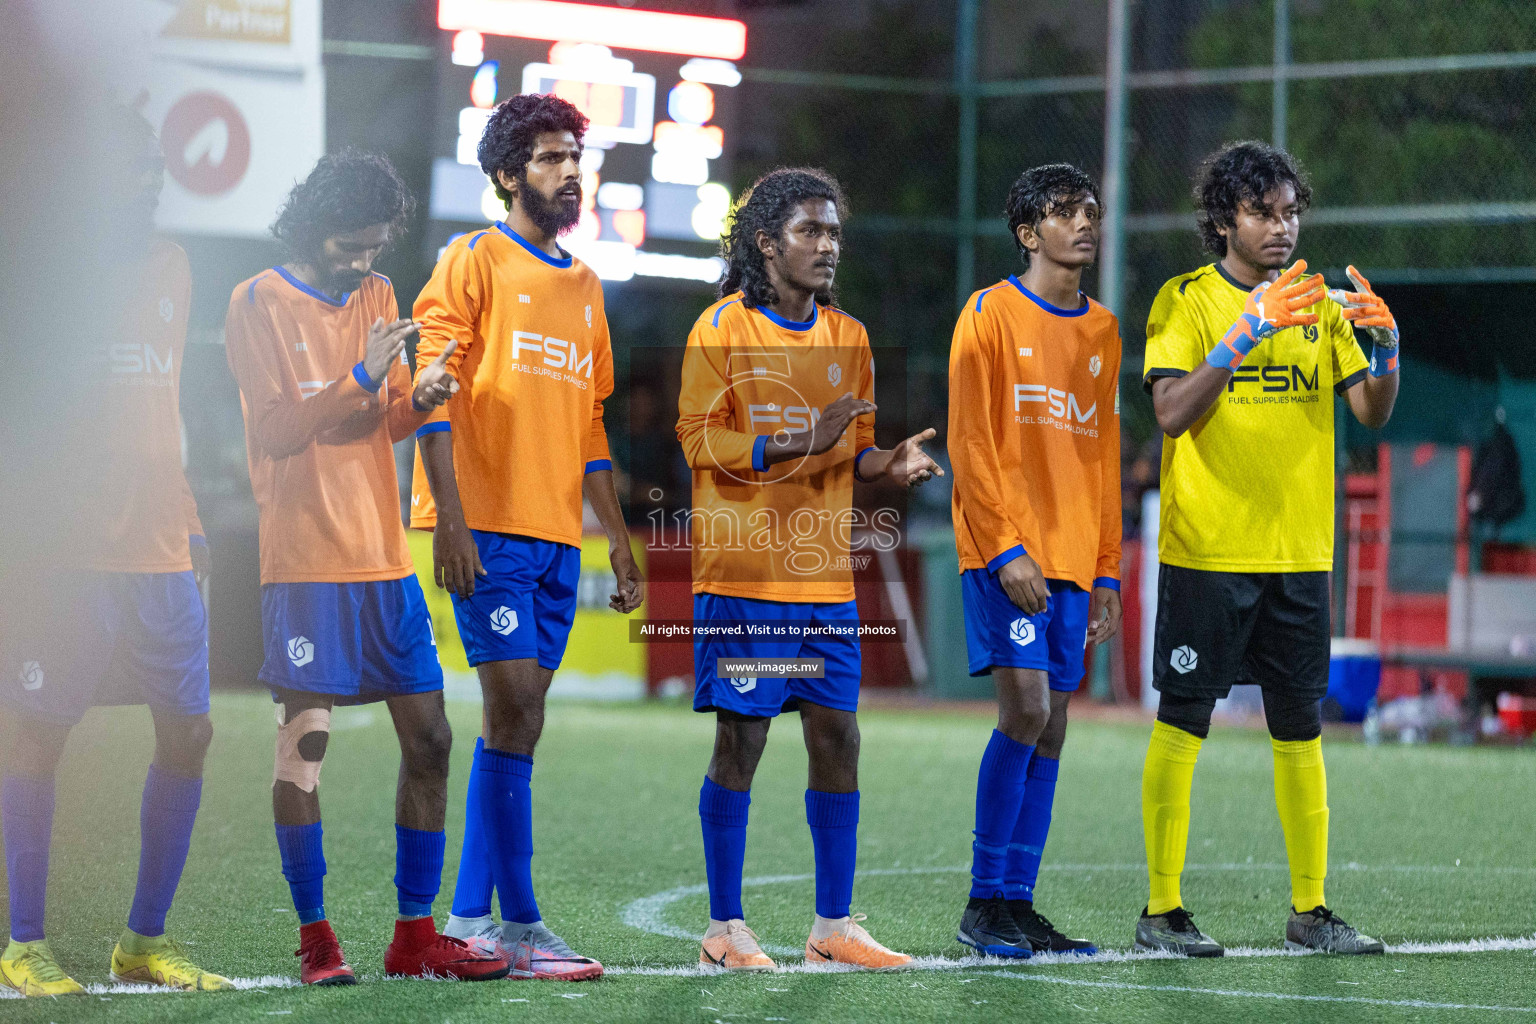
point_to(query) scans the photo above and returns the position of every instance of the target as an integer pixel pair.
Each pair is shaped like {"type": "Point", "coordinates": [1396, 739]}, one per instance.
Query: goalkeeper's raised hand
{"type": "Point", "coordinates": [1272, 306]}
{"type": "Point", "coordinates": [1366, 310]}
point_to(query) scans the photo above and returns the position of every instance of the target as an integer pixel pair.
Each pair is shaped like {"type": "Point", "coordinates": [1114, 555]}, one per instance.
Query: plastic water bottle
{"type": "Point", "coordinates": [1370, 729]}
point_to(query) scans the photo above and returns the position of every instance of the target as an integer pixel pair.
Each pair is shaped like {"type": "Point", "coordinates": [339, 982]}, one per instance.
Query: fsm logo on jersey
{"type": "Point", "coordinates": [1062, 404]}
{"type": "Point", "coordinates": [504, 620]}
{"type": "Point", "coordinates": [558, 354]}
{"type": "Point", "coordinates": [1022, 632]}
{"type": "Point", "coordinates": [140, 357]}
{"type": "Point", "coordinates": [300, 651]}
{"type": "Point", "coordinates": [743, 684]}
{"type": "Point", "coordinates": [1184, 659]}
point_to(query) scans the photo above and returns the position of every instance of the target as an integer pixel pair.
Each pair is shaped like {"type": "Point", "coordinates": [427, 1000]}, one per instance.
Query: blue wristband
{"type": "Point", "coordinates": [364, 381]}
{"type": "Point", "coordinates": [860, 458]}
{"type": "Point", "coordinates": [1384, 361]}
{"type": "Point", "coordinates": [1246, 332]}
{"type": "Point", "coordinates": [1002, 559]}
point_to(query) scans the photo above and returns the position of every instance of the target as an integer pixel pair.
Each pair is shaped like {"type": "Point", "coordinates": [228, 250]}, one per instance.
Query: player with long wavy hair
{"type": "Point", "coordinates": [776, 419]}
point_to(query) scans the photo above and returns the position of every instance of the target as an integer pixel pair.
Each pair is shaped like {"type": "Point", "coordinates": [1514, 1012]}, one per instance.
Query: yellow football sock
{"type": "Point", "coordinates": [1301, 796]}
{"type": "Point", "coordinates": [1165, 783]}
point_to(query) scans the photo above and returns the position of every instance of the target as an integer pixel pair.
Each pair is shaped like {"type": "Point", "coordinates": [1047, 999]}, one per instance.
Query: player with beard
{"type": "Point", "coordinates": [1243, 362]}
{"type": "Point", "coordinates": [500, 476]}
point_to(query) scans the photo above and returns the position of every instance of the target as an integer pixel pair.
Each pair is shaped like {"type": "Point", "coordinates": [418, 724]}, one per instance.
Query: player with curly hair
{"type": "Point", "coordinates": [317, 346]}
{"type": "Point", "coordinates": [1244, 360]}
{"type": "Point", "coordinates": [501, 473]}
{"type": "Point", "coordinates": [776, 418]}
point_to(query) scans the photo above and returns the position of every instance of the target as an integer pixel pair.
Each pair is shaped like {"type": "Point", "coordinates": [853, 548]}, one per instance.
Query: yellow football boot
{"type": "Point", "coordinates": [29, 968]}
{"type": "Point", "coordinates": [162, 962]}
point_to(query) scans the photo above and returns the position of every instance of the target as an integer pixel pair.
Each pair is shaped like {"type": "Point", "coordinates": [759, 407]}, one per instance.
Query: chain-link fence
{"type": "Point", "coordinates": [1414, 118]}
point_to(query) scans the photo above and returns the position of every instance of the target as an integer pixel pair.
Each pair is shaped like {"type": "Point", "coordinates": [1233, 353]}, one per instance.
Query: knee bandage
{"type": "Point", "coordinates": [301, 747]}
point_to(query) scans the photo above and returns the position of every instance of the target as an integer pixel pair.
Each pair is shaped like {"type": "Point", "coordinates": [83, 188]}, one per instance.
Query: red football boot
{"type": "Point", "coordinates": [420, 952]}
{"type": "Point", "coordinates": [320, 958]}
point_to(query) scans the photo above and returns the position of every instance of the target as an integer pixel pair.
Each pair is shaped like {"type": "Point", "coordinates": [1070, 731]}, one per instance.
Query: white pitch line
{"type": "Point", "coordinates": [1412, 1004]}
{"type": "Point", "coordinates": [1106, 956]}
{"type": "Point", "coordinates": [248, 984]}
{"type": "Point", "coordinates": [648, 913]}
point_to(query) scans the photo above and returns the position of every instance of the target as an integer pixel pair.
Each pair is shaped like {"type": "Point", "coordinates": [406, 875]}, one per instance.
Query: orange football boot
{"type": "Point", "coordinates": [735, 949]}
{"type": "Point", "coordinates": [851, 944]}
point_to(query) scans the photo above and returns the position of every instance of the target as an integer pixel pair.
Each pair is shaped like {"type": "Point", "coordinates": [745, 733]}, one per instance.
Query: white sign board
{"type": "Point", "coordinates": [236, 90]}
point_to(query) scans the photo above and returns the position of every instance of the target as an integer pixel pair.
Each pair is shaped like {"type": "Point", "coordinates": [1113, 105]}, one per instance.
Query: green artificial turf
{"type": "Point", "coordinates": [1429, 844]}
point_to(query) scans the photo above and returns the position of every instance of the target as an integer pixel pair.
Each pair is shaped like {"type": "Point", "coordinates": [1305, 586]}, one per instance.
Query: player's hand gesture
{"type": "Point", "coordinates": [1024, 583]}
{"type": "Point", "coordinates": [910, 466]}
{"type": "Point", "coordinates": [629, 578]}
{"type": "Point", "coordinates": [1366, 310]}
{"type": "Point", "coordinates": [1278, 304]}
{"type": "Point", "coordinates": [434, 384]}
{"type": "Point", "coordinates": [386, 340]}
{"type": "Point", "coordinates": [1104, 613]}
{"type": "Point", "coordinates": [1272, 306]}
{"type": "Point", "coordinates": [834, 421]}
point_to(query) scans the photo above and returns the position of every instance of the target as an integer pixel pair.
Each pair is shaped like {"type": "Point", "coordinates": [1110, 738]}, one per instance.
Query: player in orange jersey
{"type": "Point", "coordinates": [126, 623]}
{"type": "Point", "coordinates": [776, 418]}
{"type": "Point", "coordinates": [1034, 441]}
{"type": "Point", "coordinates": [500, 479]}
{"type": "Point", "coordinates": [318, 349]}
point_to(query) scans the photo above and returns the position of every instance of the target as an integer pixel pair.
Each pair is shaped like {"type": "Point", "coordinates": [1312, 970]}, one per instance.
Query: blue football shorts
{"type": "Point", "coordinates": [109, 638]}
{"type": "Point", "coordinates": [524, 605]}
{"type": "Point", "coordinates": [764, 697]}
{"type": "Point", "coordinates": [359, 642]}
{"type": "Point", "coordinates": [999, 634]}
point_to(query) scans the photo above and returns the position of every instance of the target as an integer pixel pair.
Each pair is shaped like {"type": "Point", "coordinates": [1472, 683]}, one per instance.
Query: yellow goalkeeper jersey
{"type": "Point", "coordinates": [1249, 487]}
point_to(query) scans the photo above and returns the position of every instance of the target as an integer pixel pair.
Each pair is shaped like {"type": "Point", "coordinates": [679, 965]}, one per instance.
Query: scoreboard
{"type": "Point", "coordinates": [657, 150]}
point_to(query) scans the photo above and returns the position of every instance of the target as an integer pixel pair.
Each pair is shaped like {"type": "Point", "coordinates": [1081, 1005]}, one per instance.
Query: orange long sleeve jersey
{"type": "Point", "coordinates": [534, 366]}
{"type": "Point", "coordinates": [318, 431]}
{"type": "Point", "coordinates": [781, 532]}
{"type": "Point", "coordinates": [153, 514]}
{"type": "Point", "coordinates": [1034, 434]}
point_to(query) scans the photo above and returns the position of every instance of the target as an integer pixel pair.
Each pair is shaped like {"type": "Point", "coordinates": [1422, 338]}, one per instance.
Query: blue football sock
{"type": "Point", "coordinates": [303, 852]}
{"type": "Point", "coordinates": [723, 813]}
{"type": "Point", "coordinates": [999, 792]}
{"type": "Point", "coordinates": [26, 814]}
{"type": "Point", "coordinates": [834, 819]}
{"type": "Point", "coordinates": [1029, 833]}
{"type": "Point", "coordinates": [472, 888]}
{"type": "Point", "coordinates": [166, 816]}
{"type": "Point", "coordinates": [418, 869]}
{"type": "Point", "coordinates": [506, 807]}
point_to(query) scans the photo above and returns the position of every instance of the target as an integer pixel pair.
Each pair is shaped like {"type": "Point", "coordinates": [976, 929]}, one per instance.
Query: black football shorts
{"type": "Point", "coordinates": [1215, 629]}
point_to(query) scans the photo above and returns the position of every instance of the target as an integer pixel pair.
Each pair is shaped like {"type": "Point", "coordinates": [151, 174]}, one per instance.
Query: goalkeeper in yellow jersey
{"type": "Point", "coordinates": [1244, 360]}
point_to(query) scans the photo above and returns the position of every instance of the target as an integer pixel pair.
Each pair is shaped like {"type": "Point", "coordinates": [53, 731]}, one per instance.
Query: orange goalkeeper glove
{"type": "Point", "coordinates": [1272, 306]}
{"type": "Point", "coordinates": [1367, 311]}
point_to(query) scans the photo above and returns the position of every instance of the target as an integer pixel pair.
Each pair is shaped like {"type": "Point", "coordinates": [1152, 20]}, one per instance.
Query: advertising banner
{"type": "Point", "coordinates": [236, 90]}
